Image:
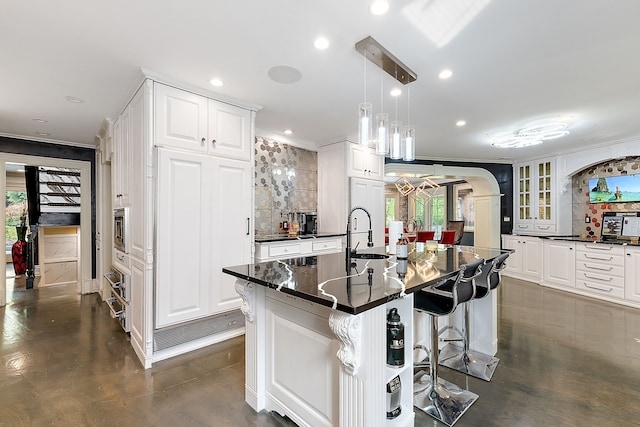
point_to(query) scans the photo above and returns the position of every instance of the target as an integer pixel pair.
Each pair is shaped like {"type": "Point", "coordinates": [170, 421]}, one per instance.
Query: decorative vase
{"type": "Point", "coordinates": [19, 251]}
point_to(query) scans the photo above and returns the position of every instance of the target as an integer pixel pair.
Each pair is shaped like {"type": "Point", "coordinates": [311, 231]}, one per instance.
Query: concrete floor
{"type": "Point", "coordinates": [565, 361]}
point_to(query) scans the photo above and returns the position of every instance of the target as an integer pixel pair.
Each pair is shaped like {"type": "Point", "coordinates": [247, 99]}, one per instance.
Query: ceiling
{"type": "Point", "coordinates": [514, 63]}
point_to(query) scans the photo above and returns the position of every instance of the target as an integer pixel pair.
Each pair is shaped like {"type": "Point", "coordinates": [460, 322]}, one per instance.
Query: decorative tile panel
{"type": "Point", "coordinates": [286, 179]}
{"type": "Point", "coordinates": [583, 210]}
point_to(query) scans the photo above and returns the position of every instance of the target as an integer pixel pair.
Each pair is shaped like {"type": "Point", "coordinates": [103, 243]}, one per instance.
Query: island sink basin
{"type": "Point", "coordinates": [369, 256]}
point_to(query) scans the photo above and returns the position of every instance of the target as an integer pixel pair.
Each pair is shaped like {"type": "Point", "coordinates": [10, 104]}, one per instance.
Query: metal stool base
{"type": "Point", "coordinates": [472, 363]}
{"type": "Point", "coordinates": [444, 401]}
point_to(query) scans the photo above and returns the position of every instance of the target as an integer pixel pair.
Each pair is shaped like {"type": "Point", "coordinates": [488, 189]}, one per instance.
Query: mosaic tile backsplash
{"type": "Point", "coordinates": [584, 211]}
{"type": "Point", "coordinates": [286, 179]}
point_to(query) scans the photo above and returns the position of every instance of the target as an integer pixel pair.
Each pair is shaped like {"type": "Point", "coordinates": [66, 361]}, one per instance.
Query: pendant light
{"type": "Point", "coordinates": [365, 121]}
{"type": "Point", "coordinates": [396, 135]}
{"type": "Point", "coordinates": [382, 126]}
{"type": "Point", "coordinates": [409, 137]}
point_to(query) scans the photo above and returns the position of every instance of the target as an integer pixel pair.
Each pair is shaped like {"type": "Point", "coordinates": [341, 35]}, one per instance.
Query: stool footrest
{"type": "Point", "coordinates": [472, 363]}
{"type": "Point", "coordinates": [444, 401]}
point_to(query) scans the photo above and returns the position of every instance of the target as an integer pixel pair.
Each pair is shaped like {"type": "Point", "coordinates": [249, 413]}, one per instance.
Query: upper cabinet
{"type": "Point", "coordinates": [192, 122]}
{"type": "Point", "coordinates": [539, 209]}
{"type": "Point", "coordinates": [363, 162]}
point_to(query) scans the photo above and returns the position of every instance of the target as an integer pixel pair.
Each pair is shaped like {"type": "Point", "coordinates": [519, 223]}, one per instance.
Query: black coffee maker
{"type": "Point", "coordinates": [311, 223]}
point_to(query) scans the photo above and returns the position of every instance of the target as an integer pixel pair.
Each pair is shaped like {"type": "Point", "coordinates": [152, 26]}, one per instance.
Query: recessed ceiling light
{"type": "Point", "coordinates": [288, 131]}
{"type": "Point", "coordinates": [445, 74]}
{"type": "Point", "coordinates": [395, 92]}
{"type": "Point", "coordinates": [74, 99]}
{"type": "Point", "coordinates": [321, 43]}
{"type": "Point", "coordinates": [460, 123]}
{"type": "Point", "coordinates": [216, 82]}
{"type": "Point", "coordinates": [42, 134]}
{"type": "Point", "coordinates": [39, 120]}
{"type": "Point", "coordinates": [379, 7]}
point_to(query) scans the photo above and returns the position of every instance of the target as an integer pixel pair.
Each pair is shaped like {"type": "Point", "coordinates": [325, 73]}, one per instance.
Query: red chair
{"type": "Point", "coordinates": [448, 237]}
{"type": "Point", "coordinates": [423, 236]}
{"type": "Point", "coordinates": [386, 235]}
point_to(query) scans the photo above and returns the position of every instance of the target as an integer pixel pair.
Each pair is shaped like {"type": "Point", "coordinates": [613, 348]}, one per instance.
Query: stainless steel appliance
{"type": "Point", "coordinates": [118, 302]}
{"type": "Point", "coordinates": [121, 230]}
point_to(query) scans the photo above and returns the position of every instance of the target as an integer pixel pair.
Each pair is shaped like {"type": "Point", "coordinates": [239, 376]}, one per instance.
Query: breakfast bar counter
{"type": "Point", "coordinates": [316, 332]}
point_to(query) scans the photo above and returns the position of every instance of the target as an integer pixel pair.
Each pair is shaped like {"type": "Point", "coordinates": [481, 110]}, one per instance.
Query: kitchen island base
{"type": "Point", "coordinates": [322, 367]}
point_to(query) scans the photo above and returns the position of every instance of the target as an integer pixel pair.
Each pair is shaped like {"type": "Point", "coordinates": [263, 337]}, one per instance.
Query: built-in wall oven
{"type": "Point", "coordinates": [121, 230]}
{"type": "Point", "coordinates": [118, 302]}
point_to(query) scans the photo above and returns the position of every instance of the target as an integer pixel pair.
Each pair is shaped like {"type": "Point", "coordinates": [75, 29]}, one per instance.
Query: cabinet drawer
{"type": "Point", "coordinates": [603, 258]}
{"type": "Point", "coordinates": [522, 227]}
{"type": "Point", "coordinates": [600, 289]}
{"type": "Point", "coordinates": [544, 228]}
{"type": "Point", "coordinates": [600, 248]}
{"type": "Point", "coordinates": [601, 268]}
{"type": "Point", "coordinates": [285, 250]}
{"type": "Point", "coordinates": [601, 278]}
{"type": "Point", "coordinates": [121, 260]}
{"type": "Point", "coordinates": [325, 245]}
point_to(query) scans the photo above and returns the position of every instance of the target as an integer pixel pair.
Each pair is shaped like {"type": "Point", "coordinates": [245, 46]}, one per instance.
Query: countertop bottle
{"type": "Point", "coordinates": [295, 225]}
{"type": "Point", "coordinates": [402, 247]}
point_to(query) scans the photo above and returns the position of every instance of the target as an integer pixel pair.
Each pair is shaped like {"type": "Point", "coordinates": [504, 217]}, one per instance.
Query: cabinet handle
{"type": "Point", "coordinates": [121, 258]}
{"type": "Point", "coordinates": [202, 141]}
{"type": "Point", "coordinates": [248, 225]}
{"type": "Point", "coordinates": [598, 258]}
{"type": "Point", "coordinates": [570, 249]}
{"type": "Point", "coordinates": [355, 223]}
{"type": "Point", "coordinates": [608, 279]}
{"type": "Point", "coordinates": [600, 247]}
{"type": "Point", "coordinates": [543, 228]}
{"type": "Point", "coordinates": [597, 268]}
{"type": "Point", "coordinates": [597, 288]}
{"type": "Point", "coordinates": [628, 254]}
{"type": "Point", "coordinates": [213, 142]}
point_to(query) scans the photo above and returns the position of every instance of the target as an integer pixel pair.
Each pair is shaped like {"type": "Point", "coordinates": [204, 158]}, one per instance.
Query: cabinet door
{"type": "Point", "coordinates": [136, 174]}
{"type": "Point", "coordinates": [231, 198]}
{"type": "Point", "coordinates": [544, 191]}
{"type": "Point", "coordinates": [183, 237]}
{"type": "Point", "coordinates": [229, 131]}
{"type": "Point", "coordinates": [559, 260]}
{"type": "Point", "coordinates": [532, 257]}
{"type": "Point", "coordinates": [115, 162]}
{"type": "Point", "coordinates": [136, 303]}
{"type": "Point", "coordinates": [370, 195]}
{"type": "Point", "coordinates": [524, 198]}
{"type": "Point", "coordinates": [181, 119]}
{"type": "Point", "coordinates": [514, 263]}
{"type": "Point", "coordinates": [632, 274]}
{"type": "Point", "coordinates": [357, 161]}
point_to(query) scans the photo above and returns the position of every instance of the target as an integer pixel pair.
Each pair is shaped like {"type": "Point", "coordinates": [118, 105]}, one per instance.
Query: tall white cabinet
{"type": "Point", "coordinates": [350, 175]}
{"type": "Point", "coordinates": [540, 205]}
{"type": "Point", "coordinates": [182, 165]}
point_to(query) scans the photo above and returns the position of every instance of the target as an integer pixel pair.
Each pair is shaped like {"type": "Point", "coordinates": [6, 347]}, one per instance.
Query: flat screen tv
{"type": "Point", "coordinates": [615, 189]}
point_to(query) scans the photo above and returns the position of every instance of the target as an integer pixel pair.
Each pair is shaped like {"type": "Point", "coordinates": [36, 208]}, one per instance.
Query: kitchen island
{"type": "Point", "coordinates": [316, 347]}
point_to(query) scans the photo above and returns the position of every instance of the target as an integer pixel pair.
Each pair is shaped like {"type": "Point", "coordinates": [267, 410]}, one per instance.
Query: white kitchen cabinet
{"type": "Point", "coordinates": [526, 260]}
{"type": "Point", "coordinates": [136, 299]}
{"type": "Point", "coordinates": [188, 121]}
{"type": "Point", "coordinates": [120, 161]}
{"type": "Point", "coordinates": [369, 194]}
{"type": "Point", "coordinates": [539, 208]}
{"type": "Point", "coordinates": [363, 162]}
{"type": "Point", "coordinates": [632, 274]}
{"type": "Point", "coordinates": [198, 235]}
{"type": "Point", "coordinates": [336, 194]}
{"type": "Point", "coordinates": [559, 263]}
{"type": "Point", "coordinates": [231, 228]}
{"type": "Point", "coordinates": [268, 251]}
{"type": "Point", "coordinates": [600, 269]}
{"type": "Point", "coordinates": [136, 176]}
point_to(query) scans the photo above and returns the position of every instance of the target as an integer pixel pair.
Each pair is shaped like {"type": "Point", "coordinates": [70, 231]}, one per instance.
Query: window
{"type": "Point", "coordinates": [429, 213]}
{"type": "Point", "coordinates": [16, 202]}
{"type": "Point", "coordinates": [391, 208]}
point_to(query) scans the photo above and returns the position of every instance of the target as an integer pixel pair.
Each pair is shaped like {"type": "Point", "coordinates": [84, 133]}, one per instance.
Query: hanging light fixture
{"type": "Point", "coordinates": [395, 151]}
{"type": "Point", "coordinates": [382, 126]}
{"type": "Point", "coordinates": [409, 137]}
{"type": "Point", "coordinates": [365, 121]}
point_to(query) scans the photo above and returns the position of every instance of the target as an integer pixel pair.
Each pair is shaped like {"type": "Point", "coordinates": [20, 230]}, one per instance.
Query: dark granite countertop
{"type": "Point", "coordinates": [284, 237]}
{"type": "Point", "coordinates": [325, 279]}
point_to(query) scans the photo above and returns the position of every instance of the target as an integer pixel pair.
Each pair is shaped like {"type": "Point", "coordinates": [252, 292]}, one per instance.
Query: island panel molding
{"type": "Point", "coordinates": [348, 330]}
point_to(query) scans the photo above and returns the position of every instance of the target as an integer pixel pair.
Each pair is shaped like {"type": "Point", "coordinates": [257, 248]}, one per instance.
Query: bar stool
{"type": "Point", "coordinates": [423, 236]}
{"type": "Point", "coordinates": [441, 399]}
{"type": "Point", "coordinates": [448, 237]}
{"type": "Point", "coordinates": [464, 360]}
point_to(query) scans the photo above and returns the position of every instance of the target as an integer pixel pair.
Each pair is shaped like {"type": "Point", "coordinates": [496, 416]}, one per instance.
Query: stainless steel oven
{"type": "Point", "coordinates": [118, 302]}
{"type": "Point", "coordinates": [121, 230]}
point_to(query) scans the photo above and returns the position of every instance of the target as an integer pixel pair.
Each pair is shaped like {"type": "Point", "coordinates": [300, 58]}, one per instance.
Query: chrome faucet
{"type": "Point", "coordinates": [369, 243]}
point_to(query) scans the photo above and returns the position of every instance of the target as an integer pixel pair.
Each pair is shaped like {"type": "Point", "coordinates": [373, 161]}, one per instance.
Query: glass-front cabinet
{"type": "Point", "coordinates": [535, 201]}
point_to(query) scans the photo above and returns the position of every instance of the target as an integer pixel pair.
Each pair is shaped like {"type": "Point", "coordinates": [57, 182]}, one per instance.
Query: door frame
{"type": "Point", "coordinates": [85, 210]}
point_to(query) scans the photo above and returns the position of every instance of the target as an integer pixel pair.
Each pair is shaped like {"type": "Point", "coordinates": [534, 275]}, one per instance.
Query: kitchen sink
{"type": "Point", "coordinates": [369, 256]}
